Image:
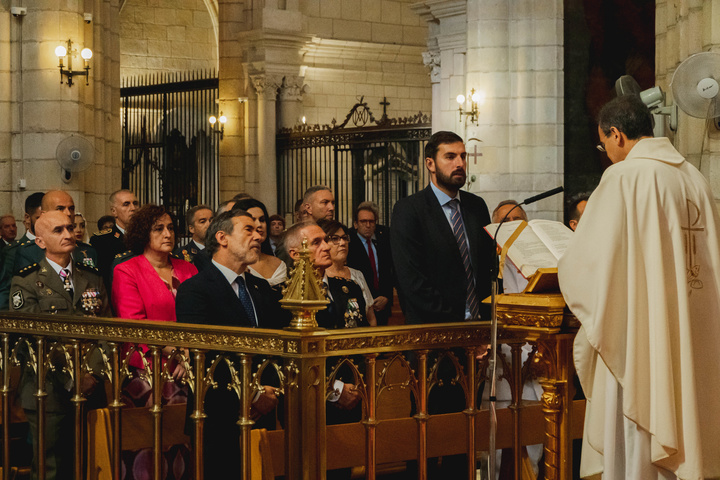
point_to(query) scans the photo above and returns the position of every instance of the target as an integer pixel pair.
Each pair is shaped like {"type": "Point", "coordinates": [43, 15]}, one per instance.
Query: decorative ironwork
{"type": "Point", "coordinates": [169, 155]}
{"type": "Point", "coordinates": [361, 159]}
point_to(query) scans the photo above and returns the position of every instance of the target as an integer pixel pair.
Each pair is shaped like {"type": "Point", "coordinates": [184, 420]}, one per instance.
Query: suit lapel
{"type": "Point", "coordinates": [232, 306]}
{"type": "Point", "coordinates": [437, 218]}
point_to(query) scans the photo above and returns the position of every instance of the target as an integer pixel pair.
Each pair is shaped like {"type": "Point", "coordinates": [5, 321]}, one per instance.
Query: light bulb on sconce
{"type": "Point", "coordinates": [62, 52]}
{"type": "Point", "coordinates": [476, 98]}
{"type": "Point", "coordinates": [222, 119]}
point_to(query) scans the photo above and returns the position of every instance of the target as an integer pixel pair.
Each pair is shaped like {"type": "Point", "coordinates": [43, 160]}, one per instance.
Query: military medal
{"type": "Point", "coordinates": [90, 302]}
{"type": "Point", "coordinates": [39, 284]}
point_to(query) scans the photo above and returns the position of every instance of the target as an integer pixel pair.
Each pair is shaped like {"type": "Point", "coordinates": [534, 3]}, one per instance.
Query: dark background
{"type": "Point", "coordinates": [604, 39]}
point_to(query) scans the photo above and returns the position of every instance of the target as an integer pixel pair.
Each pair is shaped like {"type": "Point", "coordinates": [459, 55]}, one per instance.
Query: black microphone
{"type": "Point", "coordinates": [549, 193]}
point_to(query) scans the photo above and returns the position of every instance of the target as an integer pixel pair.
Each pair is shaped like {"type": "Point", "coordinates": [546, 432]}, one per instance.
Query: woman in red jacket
{"type": "Point", "coordinates": [144, 287]}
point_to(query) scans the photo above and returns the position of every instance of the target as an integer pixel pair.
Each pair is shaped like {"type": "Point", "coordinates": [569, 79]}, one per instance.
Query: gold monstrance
{"type": "Point", "coordinates": [304, 293]}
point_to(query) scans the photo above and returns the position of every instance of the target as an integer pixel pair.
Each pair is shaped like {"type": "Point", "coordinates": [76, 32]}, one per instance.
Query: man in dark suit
{"type": "Point", "coordinates": [110, 243]}
{"type": "Point", "coordinates": [441, 253]}
{"type": "Point", "coordinates": [226, 294]}
{"type": "Point", "coordinates": [370, 253]}
{"type": "Point", "coordinates": [198, 220]}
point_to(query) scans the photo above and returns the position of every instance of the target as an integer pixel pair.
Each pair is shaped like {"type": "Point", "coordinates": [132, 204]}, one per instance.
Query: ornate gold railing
{"type": "Point", "coordinates": [385, 361]}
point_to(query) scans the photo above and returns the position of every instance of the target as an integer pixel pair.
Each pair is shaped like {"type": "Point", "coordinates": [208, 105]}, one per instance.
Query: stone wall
{"type": "Point", "coordinates": [37, 111]}
{"type": "Point", "coordinates": [167, 36]}
{"type": "Point", "coordinates": [370, 48]}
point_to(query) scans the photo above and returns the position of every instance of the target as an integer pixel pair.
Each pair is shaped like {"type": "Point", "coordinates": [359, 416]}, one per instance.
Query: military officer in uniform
{"type": "Point", "coordinates": [33, 210]}
{"type": "Point", "coordinates": [56, 284]}
{"type": "Point", "coordinates": [111, 242]}
{"type": "Point", "coordinates": [198, 220]}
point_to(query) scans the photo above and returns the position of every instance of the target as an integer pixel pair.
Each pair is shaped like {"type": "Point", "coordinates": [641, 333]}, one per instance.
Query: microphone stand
{"type": "Point", "coordinates": [494, 272]}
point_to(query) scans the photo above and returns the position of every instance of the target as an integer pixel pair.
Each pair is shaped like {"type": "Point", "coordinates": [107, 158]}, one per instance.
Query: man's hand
{"type": "Point", "coordinates": [265, 403]}
{"type": "Point", "coordinates": [349, 397]}
{"type": "Point", "coordinates": [380, 303]}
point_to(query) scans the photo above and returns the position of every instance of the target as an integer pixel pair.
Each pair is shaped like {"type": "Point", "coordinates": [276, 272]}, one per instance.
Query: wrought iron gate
{"type": "Point", "coordinates": [362, 159]}
{"type": "Point", "coordinates": [170, 154]}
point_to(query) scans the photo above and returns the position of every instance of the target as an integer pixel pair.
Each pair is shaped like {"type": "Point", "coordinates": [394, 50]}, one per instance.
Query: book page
{"type": "Point", "coordinates": [554, 235]}
{"type": "Point", "coordinates": [528, 252]}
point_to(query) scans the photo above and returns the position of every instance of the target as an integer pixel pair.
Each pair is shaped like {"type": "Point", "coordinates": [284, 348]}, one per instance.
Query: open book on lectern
{"type": "Point", "coordinates": [538, 245]}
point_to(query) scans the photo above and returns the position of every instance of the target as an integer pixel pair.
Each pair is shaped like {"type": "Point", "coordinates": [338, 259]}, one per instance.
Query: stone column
{"type": "Point", "coordinates": [264, 172]}
{"type": "Point", "coordinates": [291, 97]}
{"type": "Point", "coordinates": [39, 111]}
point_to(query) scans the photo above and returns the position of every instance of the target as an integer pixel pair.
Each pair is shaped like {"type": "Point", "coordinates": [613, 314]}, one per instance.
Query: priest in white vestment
{"type": "Point", "coordinates": [642, 274]}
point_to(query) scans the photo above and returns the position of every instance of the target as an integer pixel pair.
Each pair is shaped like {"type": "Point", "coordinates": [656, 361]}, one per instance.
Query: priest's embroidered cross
{"type": "Point", "coordinates": [693, 270]}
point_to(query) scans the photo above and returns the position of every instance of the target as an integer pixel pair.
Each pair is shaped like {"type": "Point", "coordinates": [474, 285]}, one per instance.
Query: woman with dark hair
{"type": "Point", "coordinates": [347, 287]}
{"type": "Point", "coordinates": [144, 287]}
{"type": "Point", "coordinates": [268, 266]}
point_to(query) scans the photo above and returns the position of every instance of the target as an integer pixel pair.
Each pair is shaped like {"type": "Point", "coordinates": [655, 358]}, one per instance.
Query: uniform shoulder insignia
{"type": "Point", "coordinates": [27, 270]}
{"type": "Point", "coordinates": [103, 232]}
{"type": "Point", "coordinates": [176, 256]}
{"type": "Point", "coordinates": [124, 254]}
{"type": "Point", "coordinates": [27, 242]}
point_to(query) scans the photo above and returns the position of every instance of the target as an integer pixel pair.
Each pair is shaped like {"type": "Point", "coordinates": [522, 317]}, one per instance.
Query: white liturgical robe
{"type": "Point", "coordinates": [642, 275]}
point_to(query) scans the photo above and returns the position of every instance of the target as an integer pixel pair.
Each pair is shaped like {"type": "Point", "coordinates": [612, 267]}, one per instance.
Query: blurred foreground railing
{"type": "Point", "coordinates": [395, 368]}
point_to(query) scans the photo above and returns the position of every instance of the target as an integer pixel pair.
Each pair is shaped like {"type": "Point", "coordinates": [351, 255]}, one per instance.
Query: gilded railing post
{"type": "Point", "coordinates": [244, 421]}
{"type": "Point", "coordinates": [156, 410]}
{"type": "Point", "coordinates": [305, 433]}
{"type": "Point", "coordinates": [554, 359]}
{"type": "Point", "coordinates": [6, 405]}
{"type": "Point", "coordinates": [41, 394]}
{"type": "Point", "coordinates": [115, 407]}
{"type": "Point", "coordinates": [516, 405]}
{"type": "Point", "coordinates": [422, 415]}
{"type": "Point", "coordinates": [198, 414]}
{"type": "Point", "coordinates": [471, 410]}
{"type": "Point", "coordinates": [78, 400]}
{"type": "Point", "coordinates": [371, 419]}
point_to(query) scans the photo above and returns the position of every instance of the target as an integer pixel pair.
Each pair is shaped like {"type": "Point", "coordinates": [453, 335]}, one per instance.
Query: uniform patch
{"type": "Point", "coordinates": [17, 300]}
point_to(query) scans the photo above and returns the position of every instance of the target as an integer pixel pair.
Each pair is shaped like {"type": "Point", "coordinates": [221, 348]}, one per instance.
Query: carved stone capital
{"type": "Point", "coordinates": [292, 88]}
{"type": "Point", "coordinates": [431, 59]}
{"type": "Point", "coordinates": [266, 85]}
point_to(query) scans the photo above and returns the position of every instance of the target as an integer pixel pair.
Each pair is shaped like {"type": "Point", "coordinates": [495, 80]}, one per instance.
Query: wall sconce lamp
{"type": "Point", "coordinates": [214, 121]}
{"type": "Point", "coordinates": [61, 51]}
{"type": "Point", "coordinates": [476, 98]}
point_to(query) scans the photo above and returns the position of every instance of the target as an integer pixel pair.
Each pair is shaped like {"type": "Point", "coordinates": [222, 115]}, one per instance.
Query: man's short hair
{"type": "Point", "coordinates": [293, 236]}
{"type": "Point", "coordinates": [242, 196]}
{"type": "Point", "coordinates": [629, 115]}
{"type": "Point", "coordinates": [221, 223]}
{"type": "Point", "coordinates": [190, 215]}
{"type": "Point", "coordinates": [105, 219]}
{"type": "Point", "coordinates": [312, 190]}
{"type": "Point", "coordinates": [370, 207]}
{"type": "Point", "coordinates": [572, 205]}
{"type": "Point", "coordinates": [502, 204]}
{"type": "Point", "coordinates": [440, 138]}
{"type": "Point", "coordinates": [276, 217]}
{"type": "Point", "coordinates": [115, 194]}
{"type": "Point", "coordinates": [33, 202]}
{"type": "Point", "coordinates": [223, 207]}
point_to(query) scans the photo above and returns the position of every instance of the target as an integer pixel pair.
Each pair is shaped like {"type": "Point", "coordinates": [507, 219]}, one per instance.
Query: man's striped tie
{"type": "Point", "coordinates": [459, 231]}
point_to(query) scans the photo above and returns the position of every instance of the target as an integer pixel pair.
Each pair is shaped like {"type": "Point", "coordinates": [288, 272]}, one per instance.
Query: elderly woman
{"type": "Point", "coordinates": [268, 266]}
{"type": "Point", "coordinates": [144, 287]}
{"type": "Point", "coordinates": [347, 286]}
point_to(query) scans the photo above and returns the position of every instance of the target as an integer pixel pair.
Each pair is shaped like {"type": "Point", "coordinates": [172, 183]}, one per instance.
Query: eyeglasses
{"type": "Point", "coordinates": [335, 239]}
{"type": "Point", "coordinates": [601, 146]}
